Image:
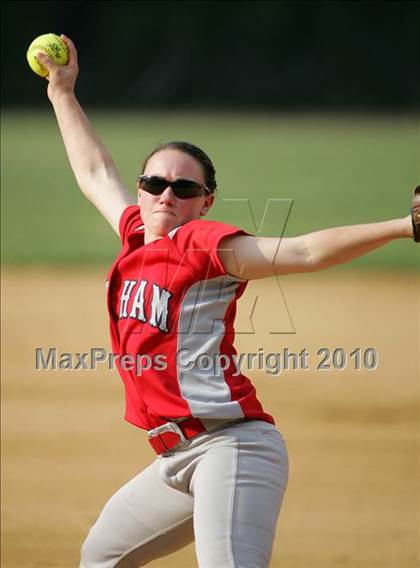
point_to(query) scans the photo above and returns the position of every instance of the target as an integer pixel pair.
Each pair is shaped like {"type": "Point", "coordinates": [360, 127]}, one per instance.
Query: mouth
{"type": "Point", "coordinates": [165, 211]}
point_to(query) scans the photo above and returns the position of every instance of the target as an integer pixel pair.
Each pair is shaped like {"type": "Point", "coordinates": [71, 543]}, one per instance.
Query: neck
{"type": "Point", "coordinates": [149, 237]}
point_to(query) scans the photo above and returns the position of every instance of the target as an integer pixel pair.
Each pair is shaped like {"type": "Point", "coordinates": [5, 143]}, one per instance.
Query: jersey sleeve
{"type": "Point", "coordinates": [198, 241]}
{"type": "Point", "coordinates": [130, 221]}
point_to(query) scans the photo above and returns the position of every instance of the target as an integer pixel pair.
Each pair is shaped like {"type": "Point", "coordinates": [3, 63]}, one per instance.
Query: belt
{"type": "Point", "coordinates": [172, 434]}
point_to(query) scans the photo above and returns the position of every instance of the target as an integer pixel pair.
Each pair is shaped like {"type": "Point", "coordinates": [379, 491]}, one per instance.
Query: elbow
{"type": "Point", "coordinates": [98, 172]}
{"type": "Point", "coordinates": [95, 179]}
{"type": "Point", "coordinates": [313, 259]}
{"type": "Point", "coordinates": [310, 260]}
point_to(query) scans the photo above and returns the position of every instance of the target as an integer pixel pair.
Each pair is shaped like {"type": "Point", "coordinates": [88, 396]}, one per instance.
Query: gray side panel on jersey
{"type": "Point", "coordinates": [201, 331]}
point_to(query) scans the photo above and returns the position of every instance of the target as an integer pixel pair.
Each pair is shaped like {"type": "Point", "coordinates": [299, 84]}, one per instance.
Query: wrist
{"type": "Point", "coordinates": [407, 227]}
{"type": "Point", "coordinates": [399, 228]}
{"type": "Point", "coordinates": [58, 96]}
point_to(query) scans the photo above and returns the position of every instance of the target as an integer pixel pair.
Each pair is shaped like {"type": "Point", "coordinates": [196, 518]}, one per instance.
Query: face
{"type": "Point", "coordinates": [162, 213]}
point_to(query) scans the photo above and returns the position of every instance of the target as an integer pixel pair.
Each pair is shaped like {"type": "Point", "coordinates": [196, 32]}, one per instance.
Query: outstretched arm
{"type": "Point", "coordinates": [259, 257]}
{"type": "Point", "coordinates": [91, 162]}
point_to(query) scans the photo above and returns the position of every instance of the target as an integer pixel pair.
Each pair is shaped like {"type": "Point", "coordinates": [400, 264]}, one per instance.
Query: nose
{"type": "Point", "coordinates": [167, 195]}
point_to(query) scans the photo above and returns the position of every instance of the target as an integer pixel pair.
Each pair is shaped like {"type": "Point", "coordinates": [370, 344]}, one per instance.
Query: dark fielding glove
{"type": "Point", "coordinates": [415, 214]}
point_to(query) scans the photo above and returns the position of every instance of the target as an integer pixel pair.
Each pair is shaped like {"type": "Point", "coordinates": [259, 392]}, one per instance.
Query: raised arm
{"type": "Point", "coordinates": [91, 162]}
{"type": "Point", "coordinates": [259, 257]}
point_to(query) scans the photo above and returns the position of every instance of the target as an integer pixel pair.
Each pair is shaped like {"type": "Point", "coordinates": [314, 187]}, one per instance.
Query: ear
{"type": "Point", "coordinates": [207, 204]}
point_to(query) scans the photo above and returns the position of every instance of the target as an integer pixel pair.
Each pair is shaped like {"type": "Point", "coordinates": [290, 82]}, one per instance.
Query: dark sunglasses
{"type": "Point", "coordinates": [182, 188]}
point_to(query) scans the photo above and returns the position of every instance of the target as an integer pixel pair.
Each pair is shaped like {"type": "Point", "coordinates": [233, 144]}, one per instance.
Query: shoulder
{"type": "Point", "coordinates": [130, 221]}
{"type": "Point", "coordinates": [200, 241]}
{"type": "Point", "coordinates": [205, 232]}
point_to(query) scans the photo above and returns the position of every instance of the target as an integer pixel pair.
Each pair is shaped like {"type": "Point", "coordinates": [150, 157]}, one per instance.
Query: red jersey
{"type": "Point", "coordinates": [172, 307]}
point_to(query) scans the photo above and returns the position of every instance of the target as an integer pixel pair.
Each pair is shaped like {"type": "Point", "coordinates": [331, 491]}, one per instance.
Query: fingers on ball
{"type": "Point", "coordinates": [71, 48]}
{"type": "Point", "coordinates": [44, 59]}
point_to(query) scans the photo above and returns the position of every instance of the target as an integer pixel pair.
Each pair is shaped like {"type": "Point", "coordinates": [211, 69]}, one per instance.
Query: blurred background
{"type": "Point", "coordinates": [226, 55]}
{"type": "Point", "coordinates": [315, 103]}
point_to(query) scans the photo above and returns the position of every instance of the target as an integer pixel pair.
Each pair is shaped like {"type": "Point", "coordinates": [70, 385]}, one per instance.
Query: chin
{"type": "Point", "coordinates": [164, 226]}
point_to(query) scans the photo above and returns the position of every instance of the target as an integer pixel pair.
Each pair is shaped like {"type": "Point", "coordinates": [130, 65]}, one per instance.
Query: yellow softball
{"type": "Point", "coordinates": [53, 46]}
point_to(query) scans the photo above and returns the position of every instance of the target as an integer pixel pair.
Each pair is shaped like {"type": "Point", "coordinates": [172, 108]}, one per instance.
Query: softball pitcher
{"type": "Point", "coordinates": [221, 464]}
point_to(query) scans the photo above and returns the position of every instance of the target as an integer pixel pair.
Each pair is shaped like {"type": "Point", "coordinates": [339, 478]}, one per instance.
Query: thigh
{"type": "Point", "coordinates": [143, 520]}
{"type": "Point", "coordinates": [238, 490]}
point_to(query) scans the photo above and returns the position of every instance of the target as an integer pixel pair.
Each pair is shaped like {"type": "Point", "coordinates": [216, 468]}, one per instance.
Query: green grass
{"type": "Point", "coordinates": [337, 171]}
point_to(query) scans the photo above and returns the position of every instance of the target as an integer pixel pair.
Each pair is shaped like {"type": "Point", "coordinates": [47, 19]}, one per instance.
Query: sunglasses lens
{"type": "Point", "coordinates": [153, 184]}
{"type": "Point", "coordinates": [182, 188]}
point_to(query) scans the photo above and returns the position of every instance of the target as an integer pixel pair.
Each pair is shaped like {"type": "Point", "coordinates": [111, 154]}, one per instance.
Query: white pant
{"type": "Point", "coordinates": [224, 489]}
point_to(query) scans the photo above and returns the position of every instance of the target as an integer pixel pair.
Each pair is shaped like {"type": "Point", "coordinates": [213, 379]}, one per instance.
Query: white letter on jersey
{"type": "Point", "coordinates": [159, 308]}
{"type": "Point", "coordinates": [138, 303]}
{"type": "Point", "coordinates": [125, 296]}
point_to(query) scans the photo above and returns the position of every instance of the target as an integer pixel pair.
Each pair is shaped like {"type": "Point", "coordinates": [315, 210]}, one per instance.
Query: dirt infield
{"type": "Point", "coordinates": [353, 435]}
